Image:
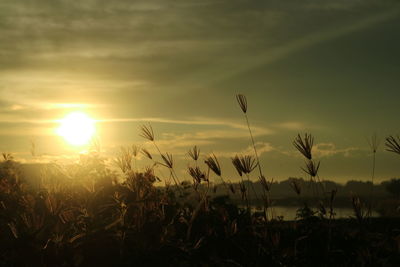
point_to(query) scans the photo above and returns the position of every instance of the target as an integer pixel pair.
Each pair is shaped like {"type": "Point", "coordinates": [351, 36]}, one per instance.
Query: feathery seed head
{"type": "Point", "coordinates": [167, 158]}
{"type": "Point", "coordinates": [146, 153]}
{"type": "Point", "coordinates": [124, 159]}
{"type": "Point", "coordinates": [194, 153]}
{"type": "Point", "coordinates": [241, 99]}
{"type": "Point", "coordinates": [304, 146]}
{"type": "Point", "coordinates": [311, 168]}
{"type": "Point", "coordinates": [147, 132]}
{"type": "Point", "coordinates": [373, 143]}
{"type": "Point", "coordinates": [213, 164]}
{"type": "Point", "coordinates": [393, 144]}
{"type": "Point", "coordinates": [238, 165]}
{"type": "Point", "coordinates": [7, 156]}
{"type": "Point", "coordinates": [196, 174]}
{"type": "Point", "coordinates": [248, 163]}
{"type": "Point", "coordinates": [296, 186]}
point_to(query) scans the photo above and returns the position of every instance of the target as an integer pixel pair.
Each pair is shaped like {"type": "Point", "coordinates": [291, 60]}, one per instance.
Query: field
{"type": "Point", "coordinates": [100, 222]}
{"type": "Point", "coordinates": [92, 215]}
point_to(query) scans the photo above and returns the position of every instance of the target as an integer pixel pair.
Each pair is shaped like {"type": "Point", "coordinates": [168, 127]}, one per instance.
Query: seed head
{"type": "Point", "coordinates": [311, 168]}
{"type": "Point", "coordinates": [393, 144]}
{"type": "Point", "coordinates": [373, 143]}
{"type": "Point", "coordinates": [248, 163]}
{"type": "Point", "coordinates": [296, 186]}
{"type": "Point", "coordinates": [213, 164]}
{"type": "Point", "coordinates": [304, 146]}
{"type": "Point", "coordinates": [196, 174]}
{"type": "Point", "coordinates": [241, 99]}
{"type": "Point", "coordinates": [238, 165]}
{"type": "Point", "coordinates": [167, 158]}
{"type": "Point", "coordinates": [194, 153]}
{"type": "Point", "coordinates": [147, 132]}
{"type": "Point", "coordinates": [146, 153]}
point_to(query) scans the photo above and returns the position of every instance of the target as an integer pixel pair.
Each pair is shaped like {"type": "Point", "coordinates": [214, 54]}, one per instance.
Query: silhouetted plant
{"type": "Point", "coordinates": [393, 144]}
{"type": "Point", "coordinates": [7, 156]}
{"type": "Point", "coordinates": [194, 153]}
{"type": "Point", "coordinates": [304, 146]}
{"type": "Point", "coordinates": [168, 161]}
{"type": "Point", "coordinates": [311, 168]}
{"type": "Point", "coordinates": [241, 99]}
{"type": "Point", "coordinates": [243, 105]}
{"type": "Point", "coordinates": [124, 160]}
{"type": "Point", "coordinates": [146, 153]}
{"type": "Point", "coordinates": [248, 164]}
{"type": "Point", "coordinates": [197, 176]}
{"type": "Point", "coordinates": [212, 162]}
{"type": "Point", "coordinates": [373, 144]}
{"type": "Point", "coordinates": [295, 186]}
{"type": "Point", "coordinates": [358, 208]}
{"type": "Point", "coordinates": [147, 132]}
{"type": "Point", "coordinates": [237, 163]}
{"type": "Point", "coordinates": [127, 221]}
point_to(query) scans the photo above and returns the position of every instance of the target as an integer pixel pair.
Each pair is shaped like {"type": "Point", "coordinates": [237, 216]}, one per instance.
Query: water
{"type": "Point", "coordinates": [289, 213]}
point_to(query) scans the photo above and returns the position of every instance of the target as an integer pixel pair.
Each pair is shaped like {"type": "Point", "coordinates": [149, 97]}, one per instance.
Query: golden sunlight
{"type": "Point", "coordinates": [77, 128]}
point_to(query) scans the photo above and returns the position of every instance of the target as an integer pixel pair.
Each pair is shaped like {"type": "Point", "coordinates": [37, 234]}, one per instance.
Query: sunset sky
{"type": "Point", "coordinates": [331, 68]}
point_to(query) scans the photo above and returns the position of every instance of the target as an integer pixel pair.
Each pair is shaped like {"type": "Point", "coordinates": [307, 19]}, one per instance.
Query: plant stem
{"type": "Point", "coordinates": [254, 145]}
{"type": "Point", "coordinates": [372, 185]}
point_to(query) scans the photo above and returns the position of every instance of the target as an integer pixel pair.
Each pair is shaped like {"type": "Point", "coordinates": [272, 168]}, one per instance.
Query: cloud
{"type": "Point", "coordinates": [180, 143]}
{"type": "Point", "coordinates": [329, 149]}
{"type": "Point", "coordinates": [257, 130]}
{"type": "Point", "coordinates": [291, 125]}
{"type": "Point", "coordinates": [311, 38]}
{"type": "Point", "coordinates": [336, 5]}
{"type": "Point", "coordinates": [262, 148]}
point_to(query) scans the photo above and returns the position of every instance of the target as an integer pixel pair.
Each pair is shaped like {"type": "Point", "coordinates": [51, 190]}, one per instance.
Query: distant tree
{"type": "Point", "coordinates": [361, 188]}
{"type": "Point", "coordinates": [393, 187]}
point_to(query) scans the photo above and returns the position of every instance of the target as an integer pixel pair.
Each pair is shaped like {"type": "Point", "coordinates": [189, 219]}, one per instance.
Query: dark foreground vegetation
{"type": "Point", "coordinates": [89, 218]}
{"type": "Point", "coordinates": [86, 214]}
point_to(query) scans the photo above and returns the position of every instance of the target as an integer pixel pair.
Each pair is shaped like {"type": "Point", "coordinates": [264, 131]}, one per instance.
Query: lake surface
{"type": "Point", "coordinates": [289, 212]}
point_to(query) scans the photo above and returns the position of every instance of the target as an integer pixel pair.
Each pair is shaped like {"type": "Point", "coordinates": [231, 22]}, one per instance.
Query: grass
{"type": "Point", "coordinates": [97, 220]}
{"type": "Point", "coordinates": [374, 145]}
{"type": "Point", "coordinates": [92, 215]}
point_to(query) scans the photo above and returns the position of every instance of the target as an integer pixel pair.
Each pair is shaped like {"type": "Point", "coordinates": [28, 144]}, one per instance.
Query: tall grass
{"type": "Point", "coordinates": [374, 145]}
{"type": "Point", "coordinates": [148, 133]}
{"type": "Point", "coordinates": [305, 145]}
{"type": "Point", "coordinates": [95, 216]}
{"type": "Point", "coordinates": [242, 101]}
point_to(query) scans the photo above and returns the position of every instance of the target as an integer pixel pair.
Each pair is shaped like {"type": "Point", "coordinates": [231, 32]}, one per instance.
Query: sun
{"type": "Point", "coordinates": [77, 128]}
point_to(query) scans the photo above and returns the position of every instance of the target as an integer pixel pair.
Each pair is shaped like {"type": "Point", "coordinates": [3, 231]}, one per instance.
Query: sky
{"type": "Point", "coordinates": [330, 68]}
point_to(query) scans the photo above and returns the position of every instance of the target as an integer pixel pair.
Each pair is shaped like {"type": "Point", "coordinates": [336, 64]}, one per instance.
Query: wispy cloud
{"type": "Point", "coordinates": [329, 149]}
{"type": "Point", "coordinates": [292, 125]}
{"type": "Point", "coordinates": [257, 130]}
{"type": "Point", "coordinates": [284, 50]}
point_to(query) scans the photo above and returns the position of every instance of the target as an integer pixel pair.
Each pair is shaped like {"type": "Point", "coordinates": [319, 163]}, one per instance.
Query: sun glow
{"type": "Point", "coordinates": [77, 128]}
